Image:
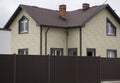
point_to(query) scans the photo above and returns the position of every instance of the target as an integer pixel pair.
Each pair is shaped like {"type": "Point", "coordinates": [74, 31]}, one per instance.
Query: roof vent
{"type": "Point", "coordinates": [62, 11]}
{"type": "Point", "coordinates": [85, 6]}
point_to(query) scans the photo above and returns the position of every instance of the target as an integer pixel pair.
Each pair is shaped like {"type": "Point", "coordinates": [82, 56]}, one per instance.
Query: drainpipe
{"type": "Point", "coordinates": [80, 41]}
{"type": "Point", "coordinates": [67, 34]}
{"type": "Point", "coordinates": [46, 32]}
{"type": "Point", "coordinates": [40, 40]}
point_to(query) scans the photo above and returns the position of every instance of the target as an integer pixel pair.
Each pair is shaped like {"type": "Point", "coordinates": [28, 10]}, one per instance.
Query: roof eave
{"type": "Point", "coordinates": [64, 27]}
{"type": "Point", "coordinates": [113, 13]}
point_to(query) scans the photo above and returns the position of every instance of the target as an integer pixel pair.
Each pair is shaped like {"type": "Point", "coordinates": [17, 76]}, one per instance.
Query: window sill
{"type": "Point", "coordinates": [23, 32]}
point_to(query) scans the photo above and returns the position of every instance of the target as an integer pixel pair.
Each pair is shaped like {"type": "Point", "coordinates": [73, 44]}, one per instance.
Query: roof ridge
{"type": "Point", "coordinates": [22, 5]}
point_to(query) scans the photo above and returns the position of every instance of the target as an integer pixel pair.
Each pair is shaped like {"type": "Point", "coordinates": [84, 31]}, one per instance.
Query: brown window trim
{"type": "Point", "coordinates": [22, 50]}
{"type": "Point", "coordinates": [87, 49]}
{"type": "Point", "coordinates": [111, 50]}
{"type": "Point", "coordinates": [51, 49]}
{"type": "Point", "coordinates": [73, 49]}
{"type": "Point", "coordinates": [19, 25]}
{"type": "Point", "coordinates": [108, 21]}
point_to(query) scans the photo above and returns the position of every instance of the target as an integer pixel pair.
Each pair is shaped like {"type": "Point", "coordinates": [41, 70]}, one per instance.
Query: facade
{"type": "Point", "coordinates": [90, 31]}
{"type": "Point", "coordinates": [5, 42]}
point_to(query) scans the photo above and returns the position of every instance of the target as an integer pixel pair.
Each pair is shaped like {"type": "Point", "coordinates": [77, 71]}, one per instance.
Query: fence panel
{"type": "Point", "coordinates": [57, 69]}
{"type": "Point", "coordinates": [63, 69]}
{"type": "Point", "coordinates": [31, 69]}
{"type": "Point", "coordinates": [6, 69]}
{"type": "Point", "coordinates": [88, 70]}
{"type": "Point", "coordinates": [110, 69]}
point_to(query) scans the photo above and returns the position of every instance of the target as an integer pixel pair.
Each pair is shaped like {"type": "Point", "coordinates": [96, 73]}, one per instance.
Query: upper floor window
{"type": "Point", "coordinates": [111, 29]}
{"type": "Point", "coordinates": [23, 25]}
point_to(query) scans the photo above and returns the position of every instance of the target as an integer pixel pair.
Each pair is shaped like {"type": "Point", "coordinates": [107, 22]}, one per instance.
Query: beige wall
{"type": "Point", "coordinates": [31, 40]}
{"type": "Point", "coordinates": [56, 38]}
{"type": "Point", "coordinates": [60, 38]}
{"type": "Point", "coordinates": [74, 38]}
{"type": "Point", "coordinates": [94, 35]}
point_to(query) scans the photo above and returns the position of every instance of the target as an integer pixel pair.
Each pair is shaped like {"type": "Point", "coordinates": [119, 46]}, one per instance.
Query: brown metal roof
{"type": "Point", "coordinates": [47, 17]}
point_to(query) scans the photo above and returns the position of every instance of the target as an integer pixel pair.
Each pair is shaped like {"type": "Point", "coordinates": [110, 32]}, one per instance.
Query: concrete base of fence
{"type": "Point", "coordinates": [110, 82]}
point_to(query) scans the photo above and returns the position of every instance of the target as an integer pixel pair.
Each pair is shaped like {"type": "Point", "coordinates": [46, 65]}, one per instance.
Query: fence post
{"type": "Point", "coordinates": [14, 71]}
{"type": "Point", "coordinates": [76, 69]}
{"type": "Point", "coordinates": [49, 68]}
{"type": "Point", "coordinates": [99, 69]}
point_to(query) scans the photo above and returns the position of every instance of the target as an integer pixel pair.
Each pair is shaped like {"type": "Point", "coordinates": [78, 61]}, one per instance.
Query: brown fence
{"type": "Point", "coordinates": [6, 69]}
{"type": "Point", "coordinates": [59, 69]}
{"type": "Point", "coordinates": [110, 69]}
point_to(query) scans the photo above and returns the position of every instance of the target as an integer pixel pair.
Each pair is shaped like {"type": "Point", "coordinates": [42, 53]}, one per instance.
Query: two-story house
{"type": "Point", "coordinates": [90, 31]}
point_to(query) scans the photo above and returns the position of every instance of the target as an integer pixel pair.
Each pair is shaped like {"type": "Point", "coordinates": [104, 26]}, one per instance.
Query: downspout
{"type": "Point", "coordinates": [67, 34]}
{"type": "Point", "coordinates": [40, 40]}
{"type": "Point", "coordinates": [46, 32]}
{"type": "Point", "coordinates": [80, 41]}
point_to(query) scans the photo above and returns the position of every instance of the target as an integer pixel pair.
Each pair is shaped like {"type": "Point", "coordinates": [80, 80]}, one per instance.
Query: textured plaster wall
{"type": "Point", "coordinates": [60, 38]}
{"type": "Point", "coordinates": [74, 38]}
{"type": "Point", "coordinates": [31, 40]}
{"type": "Point", "coordinates": [94, 35]}
{"type": "Point", "coordinates": [56, 38]}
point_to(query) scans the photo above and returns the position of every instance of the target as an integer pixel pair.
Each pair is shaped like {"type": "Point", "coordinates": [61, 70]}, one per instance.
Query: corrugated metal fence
{"type": "Point", "coordinates": [57, 69]}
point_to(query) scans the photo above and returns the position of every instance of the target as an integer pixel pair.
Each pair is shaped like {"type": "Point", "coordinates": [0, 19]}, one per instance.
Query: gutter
{"type": "Point", "coordinates": [40, 40]}
{"type": "Point", "coordinates": [80, 41]}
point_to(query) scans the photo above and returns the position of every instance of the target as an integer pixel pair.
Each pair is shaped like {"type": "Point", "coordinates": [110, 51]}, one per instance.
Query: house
{"type": "Point", "coordinates": [5, 41]}
{"type": "Point", "coordinates": [90, 31]}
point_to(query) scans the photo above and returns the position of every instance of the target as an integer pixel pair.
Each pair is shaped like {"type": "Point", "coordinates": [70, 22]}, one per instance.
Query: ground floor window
{"type": "Point", "coordinates": [56, 51]}
{"type": "Point", "coordinates": [23, 51]}
{"type": "Point", "coordinates": [111, 53]}
{"type": "Point", "coordinates": [91, 52]}
{"type": "Point", "coordinates": [72, 51]}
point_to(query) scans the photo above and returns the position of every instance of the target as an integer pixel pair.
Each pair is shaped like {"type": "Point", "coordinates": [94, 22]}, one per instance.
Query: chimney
{"type": "Point", "coordinates": [62, 11]}
{"type": "Point", "coordinates": [85, 6]}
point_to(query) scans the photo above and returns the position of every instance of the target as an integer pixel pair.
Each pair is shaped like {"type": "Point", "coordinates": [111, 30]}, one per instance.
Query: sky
{"type": "Point", "coordinates": [8, 7]}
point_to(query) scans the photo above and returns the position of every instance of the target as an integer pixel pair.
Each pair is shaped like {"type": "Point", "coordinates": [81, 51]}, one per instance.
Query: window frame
{"type": "Point", "coordinates": [73, 50]}
{"type": "Point", "coordinates": [113, 28]}
{"type": "Point", "coordinates": [93, 50]}
{"type": "Point", "coordinates": [112, 50]}
{"type": "Point", "coordinates": [23, 22]}
{"type": "Point", "coordinates": [56, 49]}
{"type": "Point", "coordinates": [23, 49]}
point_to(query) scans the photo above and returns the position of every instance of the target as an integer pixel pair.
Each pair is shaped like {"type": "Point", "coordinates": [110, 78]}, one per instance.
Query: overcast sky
{"type": "Point", "coordinates": [8, 7]}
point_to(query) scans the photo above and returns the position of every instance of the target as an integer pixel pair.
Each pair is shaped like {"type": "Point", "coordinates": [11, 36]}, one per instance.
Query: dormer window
{"type": "Point", "coordinates": [23, 25]}
{"type": "Point", "coordinates": [111, 29]}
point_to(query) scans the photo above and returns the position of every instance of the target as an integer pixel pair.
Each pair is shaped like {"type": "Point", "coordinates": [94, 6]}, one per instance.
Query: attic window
{"type": "Point", "coordinates": [23, 25]}
{"type": "Point", "coordinates": [111, 29]}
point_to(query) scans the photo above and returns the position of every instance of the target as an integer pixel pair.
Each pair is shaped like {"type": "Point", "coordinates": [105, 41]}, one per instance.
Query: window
{"type": "Point", "coordinates": [91, 52]}
{"type": "Point", "coordinates": [23, 25]}
{"type": "Point", "coordinates": [56, 51]}
{"type": "Point", "coordinates": [23, 51]}
{"type": "Point", "coordinates": [111, 29]}
{"type": "Point", "coordinates": [72, 52]}
{"type": "Point", "coordinates": [111, 53]}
